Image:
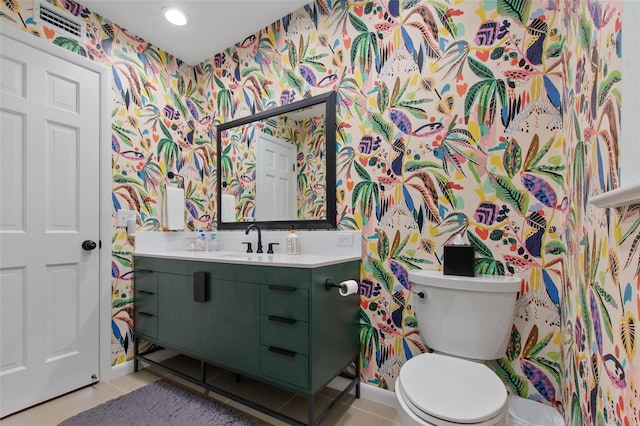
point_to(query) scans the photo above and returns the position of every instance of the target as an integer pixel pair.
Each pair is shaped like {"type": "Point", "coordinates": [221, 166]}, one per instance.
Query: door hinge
{"type": "Point", "coordinates": [293, 167]}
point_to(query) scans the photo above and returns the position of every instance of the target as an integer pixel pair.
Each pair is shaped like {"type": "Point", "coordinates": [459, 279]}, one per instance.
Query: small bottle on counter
{"type": "Point", "coordinates": [292, 242]}
{"type": "Point", "coordinates": [214, 244]}
{"type": "Point", "coordinates": [200, 242]}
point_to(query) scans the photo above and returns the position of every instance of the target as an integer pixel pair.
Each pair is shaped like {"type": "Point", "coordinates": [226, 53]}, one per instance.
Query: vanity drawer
{"type": "Point", "coordinates": [283, 365]}
{"type": "Point", "coordinates": [284, 333]}
{"type": "Point", "coordinates": [284, 302]}
{"type": "Point", "coordinates": [145, 301]}
{"type": "Point", "coordinates": [147, 324]}
{"type": "Point", "coordinates": [145, 280]}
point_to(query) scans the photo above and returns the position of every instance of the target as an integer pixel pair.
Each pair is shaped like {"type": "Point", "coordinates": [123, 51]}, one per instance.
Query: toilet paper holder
{"type": "Point", "coordinates": [345, 288]}
{"type": "Point", "coordinates": [328, 285]}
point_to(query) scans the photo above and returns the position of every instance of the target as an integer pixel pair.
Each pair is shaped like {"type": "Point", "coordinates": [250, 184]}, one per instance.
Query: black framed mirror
{"type": "Point", "coordinates": [277, 168]}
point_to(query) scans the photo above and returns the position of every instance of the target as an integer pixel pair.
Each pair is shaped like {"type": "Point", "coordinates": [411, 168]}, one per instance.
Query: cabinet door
{"type": "Point", "coordinates": [232, 325]}
{"type": "Point", "coordinates": [179, 317]}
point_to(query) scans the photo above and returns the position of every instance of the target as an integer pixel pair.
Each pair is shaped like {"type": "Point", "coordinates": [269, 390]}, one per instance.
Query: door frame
{"type": "Point", "coordinates": [104, 279]}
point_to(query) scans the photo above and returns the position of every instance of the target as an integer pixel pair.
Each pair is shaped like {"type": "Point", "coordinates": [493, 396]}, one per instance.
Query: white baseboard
{"type": "Point", "coordinates": [379, 395]}
{"type": "Point", "coordinates": [367, 391]}
{"type": "Point", "coordinates": [121, 369]}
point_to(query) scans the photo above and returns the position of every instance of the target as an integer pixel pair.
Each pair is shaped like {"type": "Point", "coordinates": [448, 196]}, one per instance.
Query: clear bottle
{"type": "Point", "coordinates": [293, 246]}
{"type": "Point", "coordinates": [200, 242]}
{"type": "Point", "coordinates": [214, 243]}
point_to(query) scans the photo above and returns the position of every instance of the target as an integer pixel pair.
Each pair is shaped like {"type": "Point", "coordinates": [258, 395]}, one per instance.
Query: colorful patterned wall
{"type": "Point", "coordinates": [160, 122]}
{"type": "Point", "coordinates": [495, 119]}
{"type": "Point", "coordinates": [450, 122]}
{"type": "Point", "coordinates": [239, 167]}
{"type": "Point", "coordinates": [310, 138]}
{"type": "Point", "coordinates": [239, 164]}
{"type": "Point", "coordinates": [462, 117]}
{"type": "Point", "coordinates": [601, 302]}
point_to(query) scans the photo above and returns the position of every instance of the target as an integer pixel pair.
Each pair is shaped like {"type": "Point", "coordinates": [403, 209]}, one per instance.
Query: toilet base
{"type": "Point", "coordinates": [409, 418]}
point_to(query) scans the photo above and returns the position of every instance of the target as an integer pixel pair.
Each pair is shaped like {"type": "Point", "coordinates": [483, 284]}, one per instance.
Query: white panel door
{"type": "Point", "coordinates": [49, 205]}
{"type": "Point", "coordinates": [276, 193]}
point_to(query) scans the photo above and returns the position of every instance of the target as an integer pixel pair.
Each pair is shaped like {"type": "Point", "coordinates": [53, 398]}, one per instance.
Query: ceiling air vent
{"type": "Point", "coordinates": [54, 17]}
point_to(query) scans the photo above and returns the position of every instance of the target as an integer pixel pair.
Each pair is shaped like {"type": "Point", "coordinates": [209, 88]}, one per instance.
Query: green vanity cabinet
{"type": "Point", "coordinates": [223, 328]}
{"type": "Point", "coordinates": [180, 318]}
{"type": "Point", "coordinates": [146, 303]}
{"type": "Point", "coordinates": [284, 334]}
{"type": "Point", "coordinates": [232, 327]}
{"type": "Point", "coordinates": [281, 325]}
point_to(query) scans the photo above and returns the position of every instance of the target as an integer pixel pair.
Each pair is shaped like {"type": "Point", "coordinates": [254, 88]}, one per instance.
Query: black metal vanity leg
{"type": "Point", "coordinates": [135, 355]}
{"type": "Point", "coordinates": [203, 372]}
{"type": "Point", "coordinates": [310, 410]}
{"type": "Point", "coordinates": [358, 377]}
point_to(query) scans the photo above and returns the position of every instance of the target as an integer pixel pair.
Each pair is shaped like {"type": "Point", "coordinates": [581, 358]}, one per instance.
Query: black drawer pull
{"type": "Point", "coordinates": [281, 288]}
{"type": "Point", "coordinates": [282, 352]}
{"type": "Point", "coordinates": [145, 314]}
{"type": "Point", "coordinates": [144, 271]}
{"type": "Point", "coordinates": [145, 292]}
{"type": "Point", "coordinates": [282, 320]}
{"type": "Point", "coordinates": [199, 287]}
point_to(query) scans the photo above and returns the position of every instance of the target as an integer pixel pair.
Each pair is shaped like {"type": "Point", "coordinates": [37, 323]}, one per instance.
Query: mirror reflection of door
{"type": "Point", "coordinates": [276, 197]}
{"type": "Point", "coordinates": [309, 126]}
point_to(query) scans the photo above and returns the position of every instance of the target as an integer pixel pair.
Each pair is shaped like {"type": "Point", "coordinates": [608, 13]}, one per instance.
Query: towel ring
{"type": "Point", "coordinates": [172, 175]}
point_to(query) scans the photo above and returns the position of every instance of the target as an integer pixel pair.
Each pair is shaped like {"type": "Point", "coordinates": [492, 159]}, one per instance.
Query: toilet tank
{"type": "Point", "coordinates": [468, 317]}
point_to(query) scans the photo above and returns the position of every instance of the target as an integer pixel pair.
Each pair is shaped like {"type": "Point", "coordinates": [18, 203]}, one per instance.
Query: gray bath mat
{"type": "Point", "coordinates": [159, 403]}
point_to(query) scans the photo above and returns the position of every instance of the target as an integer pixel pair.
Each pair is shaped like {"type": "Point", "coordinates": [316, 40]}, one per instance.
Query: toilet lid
{"type": "Point", "coordinates": [453, 389]}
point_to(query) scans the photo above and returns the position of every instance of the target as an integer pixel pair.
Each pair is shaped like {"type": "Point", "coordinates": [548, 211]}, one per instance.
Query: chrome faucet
{"type": "Point", "coordinates": [257, 228]}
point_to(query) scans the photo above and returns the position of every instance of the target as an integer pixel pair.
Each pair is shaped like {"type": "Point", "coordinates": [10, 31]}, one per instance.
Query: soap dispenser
{"type": "Point", "coordinates": [292, 242]}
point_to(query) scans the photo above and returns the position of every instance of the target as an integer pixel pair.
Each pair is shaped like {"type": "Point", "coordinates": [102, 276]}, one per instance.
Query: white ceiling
{"type": "Point", "coordinates": [214, 25]}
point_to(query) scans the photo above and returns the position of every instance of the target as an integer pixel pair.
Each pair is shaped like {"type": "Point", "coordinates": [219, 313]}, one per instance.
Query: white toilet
{"type": "Point", "coordinates": [465, 320]}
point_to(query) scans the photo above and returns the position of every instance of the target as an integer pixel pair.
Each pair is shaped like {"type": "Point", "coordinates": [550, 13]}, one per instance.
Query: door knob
{"type": "Point", "coordinates": [89, 245]}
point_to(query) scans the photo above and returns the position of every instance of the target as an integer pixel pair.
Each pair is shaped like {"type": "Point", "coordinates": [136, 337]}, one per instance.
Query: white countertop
{"type": "Point", "coordinates": [241, 258]}
{"type": "Point", "coordinates": [319, 248]}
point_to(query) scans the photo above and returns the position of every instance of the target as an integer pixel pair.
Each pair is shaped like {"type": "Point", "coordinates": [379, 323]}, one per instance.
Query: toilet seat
{"type": "Point", "coordinates": [443, 390]}
{"type": "Point", "coordinates": [408, 414]}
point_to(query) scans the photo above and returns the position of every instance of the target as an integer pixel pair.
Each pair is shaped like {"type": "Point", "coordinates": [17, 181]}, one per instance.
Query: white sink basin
{"type": "Point", "coordinates": [246, 256]}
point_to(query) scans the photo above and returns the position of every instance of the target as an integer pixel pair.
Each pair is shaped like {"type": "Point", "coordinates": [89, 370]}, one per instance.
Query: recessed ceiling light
{"type": "Point", "coordinates": [175, 16]}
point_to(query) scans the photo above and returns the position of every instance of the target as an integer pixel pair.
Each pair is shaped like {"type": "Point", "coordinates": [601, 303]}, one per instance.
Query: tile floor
{"type": "Point", "coordinates": [350, 411]}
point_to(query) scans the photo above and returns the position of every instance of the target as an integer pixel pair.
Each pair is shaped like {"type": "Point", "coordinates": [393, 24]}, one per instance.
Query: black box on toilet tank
{"type": "Point", "coordinates": [459, 260]}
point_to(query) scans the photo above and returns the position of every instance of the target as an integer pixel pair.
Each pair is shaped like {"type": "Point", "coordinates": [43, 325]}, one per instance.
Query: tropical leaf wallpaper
{"type": "Point", "coordinates": [450, 122]}
{"type": "Point", "coordinates": [239, 167]}
{"type": "Point", "coordinates": [495, 120]}
{"type": "Point", "coordinates": [238, 152]}
{"type": "Point", "coordinates": [161, 122]}
{"type": "Point", "coordinates": [310, 138]}
{"type": "Point", "coordinates": [600, 298]}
